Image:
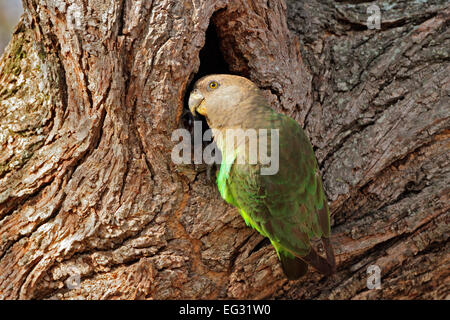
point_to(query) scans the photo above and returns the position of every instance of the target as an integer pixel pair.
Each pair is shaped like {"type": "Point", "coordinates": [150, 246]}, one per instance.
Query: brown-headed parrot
{"type": "Point", "coordinates": [288, 205]}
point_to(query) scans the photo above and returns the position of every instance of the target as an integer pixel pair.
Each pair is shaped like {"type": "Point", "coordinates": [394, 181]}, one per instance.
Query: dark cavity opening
{"type": "Point", "coordinates": [211, 62]}
{"type": "Point", "coordinates": [211, 58]}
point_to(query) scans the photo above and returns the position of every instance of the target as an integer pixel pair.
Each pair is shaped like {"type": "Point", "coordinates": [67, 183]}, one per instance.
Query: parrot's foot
{"type": "Point", "coordinates": [210, 172]}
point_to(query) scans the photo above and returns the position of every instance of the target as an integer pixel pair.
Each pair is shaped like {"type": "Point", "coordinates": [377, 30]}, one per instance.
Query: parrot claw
{"type": "Point", "coordinates": [209, 172]}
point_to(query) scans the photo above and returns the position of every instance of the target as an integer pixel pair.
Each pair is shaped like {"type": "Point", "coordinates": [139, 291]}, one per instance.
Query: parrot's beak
{"type": "Point", "coordinates": [197, 103]}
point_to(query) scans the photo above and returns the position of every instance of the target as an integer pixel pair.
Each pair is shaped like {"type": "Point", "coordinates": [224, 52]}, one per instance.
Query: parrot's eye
{"type": "Point", "coordinates": [213, 85]}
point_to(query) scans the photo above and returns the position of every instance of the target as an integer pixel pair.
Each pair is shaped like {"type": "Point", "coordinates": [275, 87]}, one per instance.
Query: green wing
{"type": "Point", "coordinates": [288, 207]}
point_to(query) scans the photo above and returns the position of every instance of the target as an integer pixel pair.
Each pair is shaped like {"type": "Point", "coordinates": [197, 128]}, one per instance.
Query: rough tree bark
{"type": "Point", "coordinates": [90, 92]}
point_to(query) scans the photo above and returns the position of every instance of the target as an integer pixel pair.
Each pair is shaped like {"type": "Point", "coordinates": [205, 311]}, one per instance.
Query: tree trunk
{"type": "Point", "coordinates": [91, 205]}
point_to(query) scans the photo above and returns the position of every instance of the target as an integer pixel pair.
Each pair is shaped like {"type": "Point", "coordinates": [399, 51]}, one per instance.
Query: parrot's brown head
{"type": "Point", "coordinates": [216, 95]}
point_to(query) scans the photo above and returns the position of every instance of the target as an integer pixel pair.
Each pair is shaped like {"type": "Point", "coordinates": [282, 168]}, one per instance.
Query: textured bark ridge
{"type": "Point", "coordinates": [90, 93]}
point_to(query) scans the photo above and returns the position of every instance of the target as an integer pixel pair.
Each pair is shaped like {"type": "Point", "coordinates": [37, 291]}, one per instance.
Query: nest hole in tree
{"type": "Point", "coordinates": [211, 62]}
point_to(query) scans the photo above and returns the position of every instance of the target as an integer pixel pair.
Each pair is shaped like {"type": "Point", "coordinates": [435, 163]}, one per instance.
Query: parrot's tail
{"type": "Point", "coordinates": [293, 267]}
{"type": "Point", "coordinates": [327, 267]}
{"type": "Point", "coordinates": [330, 253]}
